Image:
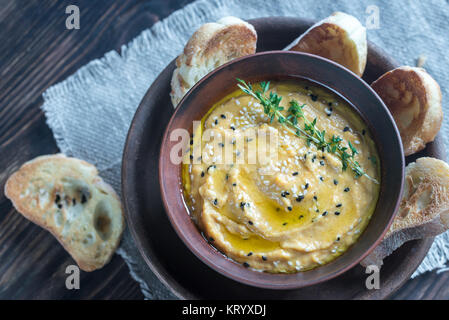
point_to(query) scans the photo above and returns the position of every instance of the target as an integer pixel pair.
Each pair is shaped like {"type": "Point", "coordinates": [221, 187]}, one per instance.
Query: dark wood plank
{"type": "Point", "coordinates": [37, 51]}
{"type": "Point", "coordinates": [429, 286]}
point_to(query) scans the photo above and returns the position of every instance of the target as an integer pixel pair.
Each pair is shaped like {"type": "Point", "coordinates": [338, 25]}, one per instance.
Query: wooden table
{"type": "Point", "coordinates": [37, 51]}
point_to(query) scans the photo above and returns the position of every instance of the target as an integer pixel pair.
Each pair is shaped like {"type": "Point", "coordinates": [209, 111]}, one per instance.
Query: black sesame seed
{"type": "Point", "coordinates": [337, 213]}
{"type": "Point", "coordinates": [58, 198]}
{"type": "Point", "coordinates": [83, 198]}
{"type": "Point", "coordinates": [232, 127]}
{"type": "Point", "coordinates": [227, 176]}
{"type": "Point", "coordinates": [313, 97]}
{"type": "Point", "coordinates": [300, 217]}
{"type": "Point", "coordinates": [338, 238]}
{"type": "Point", "coordinates": [346, 189]}
{"type": "Point", "coordinates": [215, 201]}
{"type": "Point", "coordinates": [216, 121]}
{"type": "Point", "coordinates": [306, 186]}
{"type": "Point", "coordinates": [345, 129]}
{"type": "Point", "coordinates": [250, 222]}
{"type": "Point", "coordinates": [59, 205]}
{"type": "Point", "coordinates": [295, 173]}
{"type": "Point", "coordinates": [289, 208]}
{"type": "Point", "coordinates": [223, 116]}
{"type": "Point", "coordinates": [234, 184]}
{"type": "Point", "coordinates": [246, 264]}
{"type": "Point", "coordinates": [242, 205]}
{"type": "Point", "coordinates": [329, 104]}
{"type": "Point", "coordinates": [191, 157]}
{"type": "Point", "coordinates": [202, 174]}
{"type": "Point", "coordinates": [339, 205]}
{"type": "Point", "coordinates": [315, 198]}
{"type": "Point", "coordinates": [324, 213]}
{"type": "Point", "coordinates": [322, 162]}
{"type": "Point", "coordinates": [221, 144]}
{"type": "Point", "coordinates": [321, 178]}
{"type": "Point", "coordinates": [284, 194]}
{"type": "Point", "coordinates": [264, 258]}
{"type": "Point", "coordinates": [249, 254]}
{"type": "Point", "coordinates": [191, 141]}
{"type": "Point", "coordinates": [335, 182]}
{"type": "Point", "coordinates": [300, 198]}
{"type": "Point", "coordinates": [284, 224]}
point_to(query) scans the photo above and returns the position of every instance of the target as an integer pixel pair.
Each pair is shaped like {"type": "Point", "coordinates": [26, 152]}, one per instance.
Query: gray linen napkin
{"type": "Point", "coordinates": [102, 96]}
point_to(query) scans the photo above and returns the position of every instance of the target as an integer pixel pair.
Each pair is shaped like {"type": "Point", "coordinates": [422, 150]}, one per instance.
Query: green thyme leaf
{"type": "Point", "coordinates": [309, 131]}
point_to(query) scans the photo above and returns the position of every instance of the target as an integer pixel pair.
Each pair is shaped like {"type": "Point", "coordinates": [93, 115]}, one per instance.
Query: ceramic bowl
{"type": "Point", "coordinates": [274, 65]}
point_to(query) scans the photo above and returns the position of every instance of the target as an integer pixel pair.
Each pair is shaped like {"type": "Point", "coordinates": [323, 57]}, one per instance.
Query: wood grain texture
{"type": "Point", "coordinates": [37, 51]}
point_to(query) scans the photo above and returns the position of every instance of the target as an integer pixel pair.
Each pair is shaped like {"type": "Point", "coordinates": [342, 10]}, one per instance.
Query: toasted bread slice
{"type": "Point", "coordinates": [340, 38]}
{"type": "Point", "coordinates": [424, 209]}
{"type": "Point", "coordinates": [414, 99]}
{"type": "Point", "coordinates": [68, 198]}
{"type": "Point", "coordinates": [212, 45]}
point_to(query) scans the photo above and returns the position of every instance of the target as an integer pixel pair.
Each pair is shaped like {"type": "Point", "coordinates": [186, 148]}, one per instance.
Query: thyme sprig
{"type": "Point", "coordinates": [309, 131]}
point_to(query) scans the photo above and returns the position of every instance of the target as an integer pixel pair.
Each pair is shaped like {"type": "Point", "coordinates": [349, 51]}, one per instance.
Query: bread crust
{"type": "Point", "coordinates": [414, 99]}
{"type": "Point", "coordinates": [212, 45]}
{"type": "Point", "coordinates": [424, 208]}
{"type": "Point", "coordinates": [67, 197]}
{"type": "Point", "coordinates": [340, 38]}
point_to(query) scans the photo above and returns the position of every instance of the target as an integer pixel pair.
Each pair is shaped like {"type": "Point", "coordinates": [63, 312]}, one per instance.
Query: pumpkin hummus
{"type": "Point", "coordinates": [296, 208]}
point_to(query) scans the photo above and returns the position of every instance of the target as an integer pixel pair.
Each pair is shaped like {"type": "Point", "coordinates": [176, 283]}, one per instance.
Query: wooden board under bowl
{"type": "Point", "coordinates": [183, 273]}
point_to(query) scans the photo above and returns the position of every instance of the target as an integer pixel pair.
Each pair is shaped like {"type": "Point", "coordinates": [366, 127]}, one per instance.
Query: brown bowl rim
{"type": "Point", "coordinates": [239, 277]}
